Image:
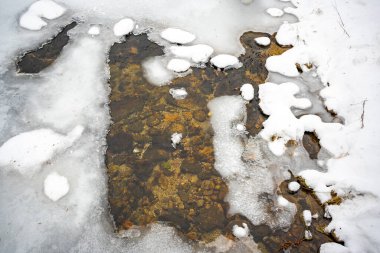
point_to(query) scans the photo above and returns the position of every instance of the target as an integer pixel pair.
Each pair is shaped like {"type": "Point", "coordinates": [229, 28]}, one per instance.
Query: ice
{"type": "Point", "coordinates": [26, 152]}
{"type": "Point", "coordinates": [306, 214]}
{"type": "Point", "coordinates": [240, 232]}
{"type": "Point", "coordinates": [178, 93]}
{"type": "Point", "coordinates": [56, 186]}
{"type": "Point", "coordinates": [32, 18]}
{"type": "Point", "coordinates": [176, 139]}
{"type": "Point", "coordinates": [123, 27]}
{"type": "Point", "coordinates": [225, 61]}
{"type": "Point", "coordinates": [156, 72]}
{"type": "Point", "coordinates": [227, 148]}
{"type": "Point", "coordinates": [199, 53]}
{"type": "Point", "coordinates": [247, 91]}
{"type": "Point", "coordinates": [275, 12]}
{"type": "Point", "coordinates": [175, 35]}
{"type": "Point", "coordinates": [294, 186]}
{"type": "Point", "coordinates": [178, 65]}
{"type": "Point", "coordinates": [94, 30]}
{"type": "Point", "coordinates": [333, 247]}
{"type": "Point", "coordinates": [262, 41]}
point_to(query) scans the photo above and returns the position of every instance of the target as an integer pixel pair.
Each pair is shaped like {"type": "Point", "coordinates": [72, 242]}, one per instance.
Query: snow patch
{"type": "Point", "coordinates": [275, 12]}
{"type": "Point", "coordinates": [225, 61]}
{"type": "Point", "coordinates": [178, 65]}
{"type": "Point", "coordinates": [178, 93]}
{"type": "Point", "coordinates": [175, 35]}
{"type": "Point", "coordinates": [247, 91]}
{"type": "Point", "coordinates": [240, 232]}
{"type": "Point", "coordinates": [123, 27]}
{"type": "Point", "coordinates": [262, 41]}
{"type": "Point", "coordinates": [199, 53]}
{"type": "Point", "coordinates": [56, 186]}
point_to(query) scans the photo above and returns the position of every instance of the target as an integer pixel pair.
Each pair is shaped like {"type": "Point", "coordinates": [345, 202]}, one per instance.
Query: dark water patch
{"type": "Point", "coordinates": [36, 60]}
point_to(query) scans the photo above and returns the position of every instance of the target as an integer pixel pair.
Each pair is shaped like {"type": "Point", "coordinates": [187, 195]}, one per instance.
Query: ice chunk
{"type": "Point", "coordinates": [56, 186]}
{"type": "Point", "coordinates": [275, 12]}
{"type": "Point", "coordinates": [247, 91]}
{"type": "Point", "coordinates": [94, 30]}
{"type": "Point", "coordinates": [178, 65]}
{"type": "Point", "coordinates": [262, 41]}
{"type": "Point", "coordinates": [294, 186]}
{"type": "Point", "coordinates": [156, 72]}
{"type": "Point", "coordinates": [306, 214]}
{"type": "Point", "coordinates": [175, 35]}
{"type": "Point", "coordinates": [199, 53]}
{"type": "Point", "coordinates": [179, 93]}
{"type": "Point", "coordinates": [32, 18]}
{"type": "Point", "coordinates": [240, 232]}
{"type": "Point", "coordinates": [27, 151]}
{"type": "Point", "coordinates": [225, 61]}
{"type": "Point", "coordinates": [176, 139]}
{"type": "Point", "coordinates": [123, 27]}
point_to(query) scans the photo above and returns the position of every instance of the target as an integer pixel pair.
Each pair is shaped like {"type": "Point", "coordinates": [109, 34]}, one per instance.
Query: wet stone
{"type": "Point", "coordinates": [311, 143]}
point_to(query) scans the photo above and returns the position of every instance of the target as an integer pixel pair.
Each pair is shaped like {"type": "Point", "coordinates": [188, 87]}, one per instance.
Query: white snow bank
{"type": "Point", "coordinates": [225, 61]}
{"type": "Point", "coordinates": [56, 186]}
{"type": "Point", "coordinates": [32, 18]}
{"type": "Point", "coordinates": [275, 12]}
{"type": "Point", "coordinates": [123, 27]}
{"type": "Point", "coordinates": [27, 151]}
{"type": "Point", "coordinates": [175, 35]}
{"type": "Point", "coordinates": [199, 53]}
{"type": "Point", "coordinates": [247, 91]}
{"type": "Point", "coordinates": [178, 65]}
{"type": "Point", "coordinates": [332, 247]}
{"type": "Point", "coordinates": [240, 232]}
{"type": "Point", "coordinates": [262, 41]}
{"type": "Point", "coordinates": [282, 125]}
{"type": "Point", "coordinates": [178, 93]}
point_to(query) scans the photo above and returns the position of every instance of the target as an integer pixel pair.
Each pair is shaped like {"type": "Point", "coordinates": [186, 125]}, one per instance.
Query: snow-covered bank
{"type": "Point", "coordinates": [341, 41]}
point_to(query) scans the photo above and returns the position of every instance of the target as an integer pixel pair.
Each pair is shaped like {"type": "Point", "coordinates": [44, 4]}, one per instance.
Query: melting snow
{"type": "Point", "coordinates": [247, 91]}
{"type": "Point", "coordinates": [178, 65]}
{"type": "Point", "coordinates": [275, 12]}
{"type": "Point", "coordinates": [262, 41]}
{"type": "Point", "coordinates": [225, 61]}
{"type": "Point", "coordinates": [240, 232]}
{"type": "Point", "coordinates": [123, 27]}
{"type": "Point", "coordinates": [179, 93]}
{"type": "Point", "coordinates": [198, 53]}
{"type": "Point", "coordinates": [175, 35]}
{"type": "Point", "coordinates": [56, 186]}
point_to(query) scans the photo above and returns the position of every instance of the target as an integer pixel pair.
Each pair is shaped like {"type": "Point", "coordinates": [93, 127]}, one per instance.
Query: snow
{"type": "Point", "coordinates": [225, 61]}
{"type": "Point", "coordinates": [262, 41]}
{"type": "Point", "coordinates": [175, 35]}
{"type": "Point", "coordinates": [94, 30]}
{"type": "Point", "coordinates": [26, 152]}
{"type": "Point", "coordinates": [282, 201]}
{"type": "Point", "coordinates": [308, 235]}
{"type": "Point", "coordinates": [178, 93]}
{"type": "Point", "coordinates": [275, 12]}
{"type": "Point", "coordinates": [247, 91]}
{"type": "Point", "coordinates": [332, 247]}
{"type": "Point", "coordinates": [178, 65]}
{"type": "Point", "coordinates": [123, 27]}
{"type": "Point", "coordinates": [240, 232]}
{"type": "Point", "coordinates": [32, 18]}
{"type": "Point", "coordinates": [56, 186]}
{"type": "Point", "coordinates": [199, 53]}
{"type": "Point", "coordinates": [276, 101]}
{"type": "Point", "coordinates": [306, 214]}
{"type": "Point", "coordinates": [176, 139]}
{"type": "Point", "coordinates": [294, 186]}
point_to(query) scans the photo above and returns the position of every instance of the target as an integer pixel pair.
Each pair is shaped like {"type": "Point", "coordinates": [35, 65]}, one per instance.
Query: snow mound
{"type": "Point", "coordinates": [32, 18]}
{"type": "Point", "coordinates": [275, 12]}
{"type": "Point", "coordinates": [199, 53]}
{"type": "Point", "coordinates": [225, 61]}
{"type": "Point", "coordinates": [287, 34]}
{"type": "Point", "coordinates": [178, 65]}
{"type": "Point", "coordinates": [175, 35]}
{"type": "Point", "coordinates": [240, 232]}
{"type": "Point", "coordinates": [94, 30]}
{"type": "Point", "coordinates": [56, 186]}
{"type": "Point", "coordinates": [262, 41]}
{"type": "Point", "coordinates": [123, 27]}
{"type": "Point", "coordinates": [179, 93]}
{"type": "Point", "coordinates": [247, 91]}
{"type": "Point", "coordinates": [27, 151]}
{"type": "Point", "coordinates": [294, 186]}
{"type": "Point", "coordinates": [333, 247]}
